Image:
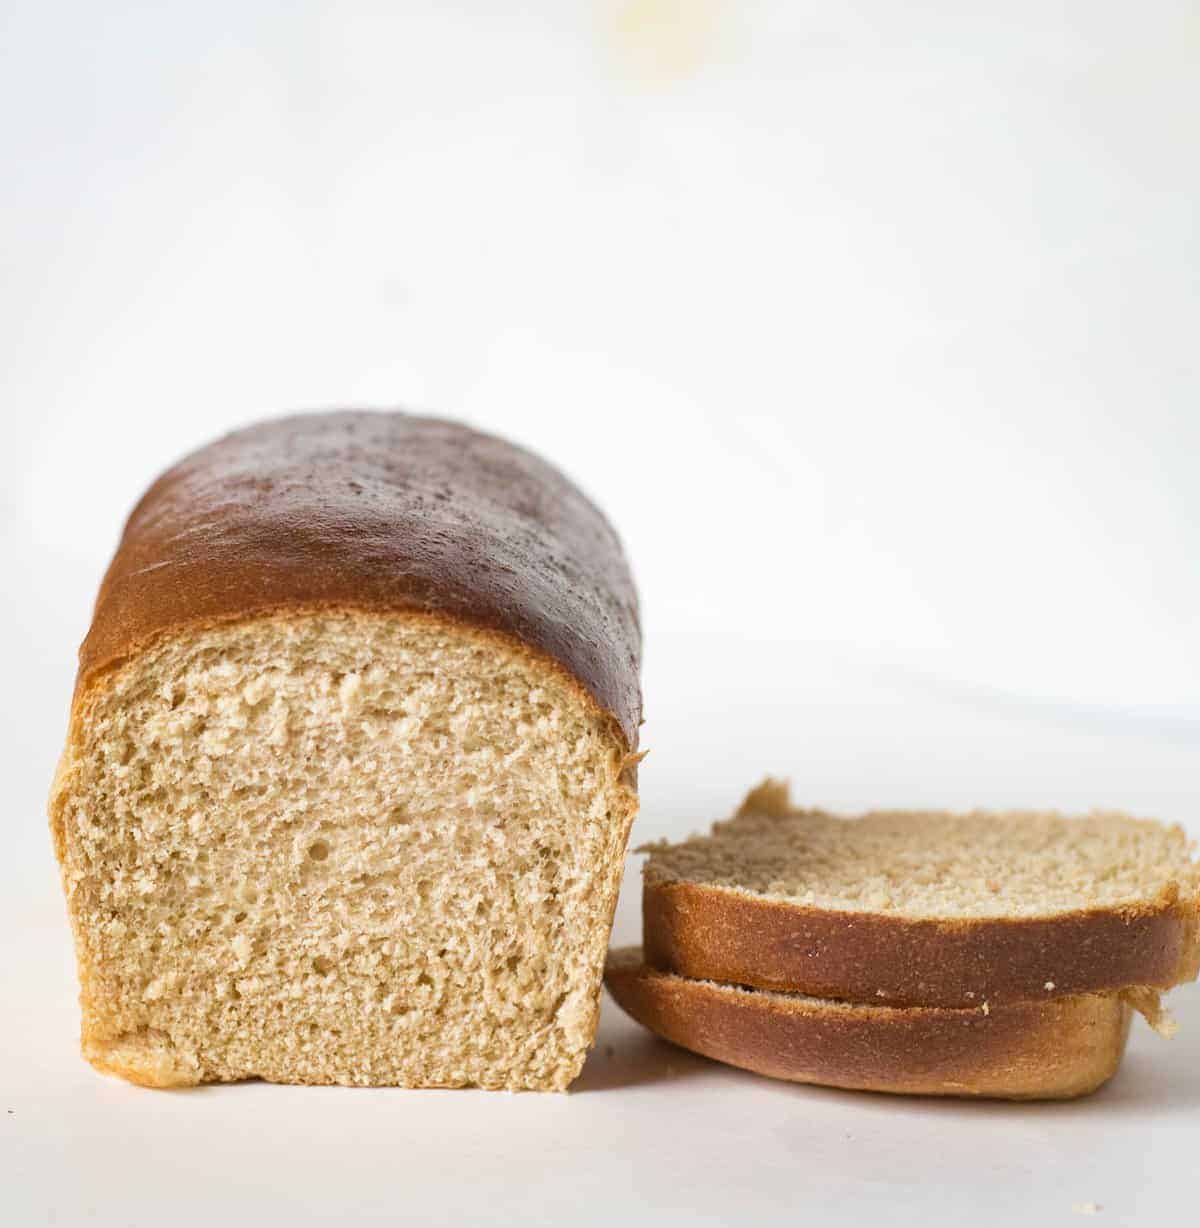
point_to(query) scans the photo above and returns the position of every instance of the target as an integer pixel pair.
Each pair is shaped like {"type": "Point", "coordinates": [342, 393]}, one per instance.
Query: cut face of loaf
{"type": "Point", "coordinates": [341, 849]}
{"type": "Point", "coordinates": [1045, 1050]}
{"type": "Point", "coordinates": [350, 766]}
{"type": "Point", "coordinates": [925, 909]}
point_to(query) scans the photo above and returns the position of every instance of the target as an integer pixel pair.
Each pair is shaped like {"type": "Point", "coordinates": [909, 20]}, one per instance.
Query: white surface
{"type": "Point", "coordinates": [871, 325]}
{"type": "Point", "coordinates": [650, 1135]}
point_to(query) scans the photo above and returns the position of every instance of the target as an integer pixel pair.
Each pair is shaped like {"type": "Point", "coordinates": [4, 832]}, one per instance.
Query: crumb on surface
{"type": "Point", "coordinates": [1087, 1208]}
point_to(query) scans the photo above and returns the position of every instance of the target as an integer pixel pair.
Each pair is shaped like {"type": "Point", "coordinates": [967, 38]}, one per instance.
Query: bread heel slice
{"type": "Point", "coordinates": [1052, 1049]}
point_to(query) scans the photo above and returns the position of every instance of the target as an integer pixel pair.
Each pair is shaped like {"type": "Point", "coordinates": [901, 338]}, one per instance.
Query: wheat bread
{"type": "Point", "coordinates": [1048, 1049]}
{"type": "Point", "coordinates": [351, 764]}
{"type": "Point", "coordinates": [909, 908]}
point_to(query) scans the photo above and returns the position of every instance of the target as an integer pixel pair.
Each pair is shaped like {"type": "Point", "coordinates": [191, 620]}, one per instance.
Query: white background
{"type": "Point", "coordinates": [873, 327]}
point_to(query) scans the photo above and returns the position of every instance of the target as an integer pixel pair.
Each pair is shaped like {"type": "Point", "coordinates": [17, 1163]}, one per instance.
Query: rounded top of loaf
{"type": "Point", "coordinates": [377, 512]}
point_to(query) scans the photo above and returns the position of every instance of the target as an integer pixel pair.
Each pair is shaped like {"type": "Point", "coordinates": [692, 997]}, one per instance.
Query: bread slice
{"type": "Point", "coordinates": [1050, 1049]}
{"type": "Point", "coordinates": [349, 772]}
{"type": "Point", "coordinates": [925, 909]}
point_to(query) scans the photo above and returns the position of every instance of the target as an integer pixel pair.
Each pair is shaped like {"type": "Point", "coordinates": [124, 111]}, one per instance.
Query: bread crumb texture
{"type": "Point", "coordinates": [935, 865]}
{"type": "Point", "coordinates": [341, 848]}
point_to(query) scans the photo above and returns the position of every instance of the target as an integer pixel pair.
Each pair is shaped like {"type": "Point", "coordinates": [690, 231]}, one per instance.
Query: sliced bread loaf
{"type": "Point", "coordinates": [1047, 1049]}
{"type": "Point", "coordinates": [349, 770]}
{"type": "Point", "coordinates": [925, 909]}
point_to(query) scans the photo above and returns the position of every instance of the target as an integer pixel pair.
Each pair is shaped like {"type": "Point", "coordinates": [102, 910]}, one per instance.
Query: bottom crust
{"type": "Point", "coordinates": [1038, 1050]}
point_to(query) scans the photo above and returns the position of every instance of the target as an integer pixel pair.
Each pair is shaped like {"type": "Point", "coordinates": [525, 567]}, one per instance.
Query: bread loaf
{"type": "Point", "coordinates": [350, 765]}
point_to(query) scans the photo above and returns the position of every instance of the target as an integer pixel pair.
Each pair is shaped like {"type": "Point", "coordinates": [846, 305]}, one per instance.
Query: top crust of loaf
{"type": "Point", "coordinates": [376, 512]}
{"type": "Point", "coordinates": [787, 899]}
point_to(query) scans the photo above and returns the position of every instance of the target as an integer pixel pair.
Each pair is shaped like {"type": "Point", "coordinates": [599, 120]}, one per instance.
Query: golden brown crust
{"type": "Point", "coordinates": [1053, 1049]}
{"type": "Point", "coordinates": [714, 933]}
{"type": "Point", "coordinates": [376, 512]}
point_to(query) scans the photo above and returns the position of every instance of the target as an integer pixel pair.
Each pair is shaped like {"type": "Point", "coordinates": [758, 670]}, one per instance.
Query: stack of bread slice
{"type": "Point", "coordinates": [969, 955]}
